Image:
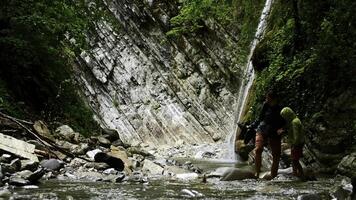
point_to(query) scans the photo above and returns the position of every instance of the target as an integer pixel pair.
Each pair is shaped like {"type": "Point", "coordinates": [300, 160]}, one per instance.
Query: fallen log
{"type": "Point", "coordinates": [18, 147]}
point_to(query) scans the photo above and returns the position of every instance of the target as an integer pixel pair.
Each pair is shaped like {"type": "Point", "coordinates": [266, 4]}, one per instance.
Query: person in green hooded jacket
{"type": "Point", "coordinates": [295, 131]}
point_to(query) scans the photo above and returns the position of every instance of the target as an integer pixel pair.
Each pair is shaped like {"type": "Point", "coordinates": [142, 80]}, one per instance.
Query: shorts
{"type": "Point", "coordinates": [297, 152]}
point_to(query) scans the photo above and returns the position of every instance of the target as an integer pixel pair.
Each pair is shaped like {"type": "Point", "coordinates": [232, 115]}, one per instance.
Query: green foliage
{"type": "Point", "coordinates": [312, 64]}
{"type": "Point", "coordinates": [7, 103]}
{"type": "Point", "coordinates": [193, 13]}
{"type": "Point", "coordinates": [39, 40]}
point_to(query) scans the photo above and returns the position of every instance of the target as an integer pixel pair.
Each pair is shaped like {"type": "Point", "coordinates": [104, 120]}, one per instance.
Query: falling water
{"type": "Point", "coordinates": [248, 78]}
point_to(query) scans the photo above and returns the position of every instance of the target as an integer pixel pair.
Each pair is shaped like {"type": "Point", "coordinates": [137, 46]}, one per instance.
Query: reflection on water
{"type": "Point", "coordinates": [172, 189]}
{"type": "Point", "coordinates": [168, 188]}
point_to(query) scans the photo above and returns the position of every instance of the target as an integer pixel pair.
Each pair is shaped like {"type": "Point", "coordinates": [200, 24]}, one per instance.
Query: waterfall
{"type": "Point", "coordinates": [247, 78]}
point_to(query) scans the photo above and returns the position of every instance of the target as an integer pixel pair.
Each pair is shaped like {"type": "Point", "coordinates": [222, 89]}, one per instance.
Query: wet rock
{"type": "Point", "coordinates": [237, 174]}
{"type": "Point", "coordinates": [187, 176]}
{"type": "Point", "coordinates": [80, 149]}
{"type": "Point", "coordinates": [288, 170]}
{"type": "Point", "coordinates": [118, 143]}
{"type": "Point", "coordinates": [97, 165]}
{"type": "Point", "coordinates": [29, 165]}
{"type": "Point", "coordinates": [174, 170]}
{"type": "Point", "coordinates": [5, 158]}
{"type": "Point", "coordinates": [151, 168]}
{"type": "Point", "coordinates": [18, 181]}
{"type": "Point", "coordinates": [205, 154]}
{"type": "Point", "coordinates": [30, 187]}
{"type": "Point", "coordinates": [243, 149]}
{"type": "Point", "coordinates": [353, 183]}
{"type": "Point", "coordinates": [137, 150]}
{"type": "Point", "coordinates": [110, 171]}
{"type": "Point", "coordinates": [112, 161]}
{"type": "Point", "coordinates": [344, 190]}
{"type": "Point", "coordinates": [66, 145]}
{"type": "Point", "coordinates": [1, 176]}
{"type": "Point", "coordinates": [104, 142]}
{"type": "Point", "coordinates": [77, 162]}
{"type": "Point", "coordinates": [92, 176]}
{"type": "Point", "coordinates": [111, 134]}
{"type": "Point", "coordinates": [92, 153]}
{"type": "Point", "coordinates": [137, 176]}
{"type": "Point", "coordinates": [5, 193]}
{"type": "Point", "coordinates": [309, 197]}
{"type": "Point", "coordinates": [347, 165]}
{"type": "Point", "coordinates": [16, 164]}
{"type": "Point", "coordinates": [120, 153]}
{"type": "Point", "coordinates": [113, 178]}
{"type": "Point", "coordinates": [66, 132]}
{"type": "Point", "coordinates": [11, 168]}
{"type": "Point", "coordinates": [42, 129]}
{"type": "Point", "coordinates": [52, 164]}
{"type": "Point", "coordinates": [216, 137]}
{"type": "Point", "coordinates": [192, 193]}
{"type": "Point", "coordinates": [137, 160]}
{"type": "Point", "coordinates": [36, 175]}
{"type": "Point", "coordinates": [31, 177]}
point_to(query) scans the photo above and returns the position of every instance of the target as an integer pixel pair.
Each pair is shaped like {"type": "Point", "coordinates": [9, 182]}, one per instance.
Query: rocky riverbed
{"type": "Point", "coordinates": [141, 171]}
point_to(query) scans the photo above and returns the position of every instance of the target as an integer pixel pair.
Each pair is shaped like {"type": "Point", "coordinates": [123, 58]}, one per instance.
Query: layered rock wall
{"type": "Point", "coordinates": [158, 90]}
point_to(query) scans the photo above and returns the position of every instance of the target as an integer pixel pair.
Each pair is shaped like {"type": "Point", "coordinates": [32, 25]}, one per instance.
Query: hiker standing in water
{"type": "Point", "coordinates": [270, 122]}
{"type": "Point", "coordinates": [296, 139]}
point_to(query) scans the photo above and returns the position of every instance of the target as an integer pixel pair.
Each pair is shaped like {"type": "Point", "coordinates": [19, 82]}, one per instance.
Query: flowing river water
{"type": "Point", "coordinates": [164, 188]}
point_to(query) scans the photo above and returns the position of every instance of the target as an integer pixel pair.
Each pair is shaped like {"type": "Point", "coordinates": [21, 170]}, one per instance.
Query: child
{"type": "Point", "coordinates": [295, 132]}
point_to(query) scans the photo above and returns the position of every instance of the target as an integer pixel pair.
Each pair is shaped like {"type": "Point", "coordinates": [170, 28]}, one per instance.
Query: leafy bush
{"type": "Point", "coordinates": [193, 13]}
{"type": "Point", "coordinates": [39, 40]}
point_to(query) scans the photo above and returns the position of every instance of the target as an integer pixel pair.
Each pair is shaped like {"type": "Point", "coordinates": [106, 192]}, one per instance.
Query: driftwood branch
{"type": "Point", "coordinates": [45, 141]}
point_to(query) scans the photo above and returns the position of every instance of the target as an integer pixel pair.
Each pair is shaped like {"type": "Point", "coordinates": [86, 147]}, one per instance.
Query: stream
{"type": "Point", "coordinates": [168, 188]}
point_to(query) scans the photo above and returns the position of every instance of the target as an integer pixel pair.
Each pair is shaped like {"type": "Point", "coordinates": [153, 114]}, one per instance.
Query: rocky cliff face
{"type": "Point", "coordinates": [154, 89]}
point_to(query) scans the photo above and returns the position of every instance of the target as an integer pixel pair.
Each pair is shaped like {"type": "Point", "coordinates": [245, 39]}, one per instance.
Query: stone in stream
{"type": "Point", "coordinates": [353, 183]}
{"type": "Point", "coordinates": [31, 177]}
{"type": "Point", "coordinates": [187, 176]}
{"type": "Point", "coordinates": [151, 168]}
{"type": "Point", "coordinates": [36, 175]}
{"type": "Point", "coordinates": [18, 181]}
{"type": "Point", "coordinates": [52, 164]}
{"type": "Point", "coordinates": [29, 165]}
{"type": "Point", "coordinates": [5, 158]}
{"type": "Point", "coordinates": [309, 197]}
{"type": "Point", "coordinates": [192, 193]}
{"type": "Point", "coordinates": [4, 193]}
{"type": "Point", "coordinates": [91, 154]}
{"type": "Point", "coordinates": [111, 134]}
{"type": "Point", "coordinates": [104, 142]}
{"type": "Point", "coordinates": [11, 168]}
{"type": "Point", "coordinates": [1, 176]}
{"type": "Point", "coordinates": [112, 161]}
{"type": "Point", "coordinates": [231, 174]}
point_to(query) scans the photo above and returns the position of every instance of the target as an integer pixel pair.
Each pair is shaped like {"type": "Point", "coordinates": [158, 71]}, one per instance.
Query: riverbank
{"type": "Point", "coordinates": [173, 172]}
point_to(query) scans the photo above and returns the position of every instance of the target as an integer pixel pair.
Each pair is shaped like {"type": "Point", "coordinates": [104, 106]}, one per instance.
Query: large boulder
{"type": "Point", "coordinates": [237, 174]}
{"type": "Point", "coordinates": [151, 168]}
{"type": "Point", "coordinates": [112, 161]}
{"type": "Point", "coordinates": [52, 164]}
{"type": "Point", "coordinates": [67, 133]}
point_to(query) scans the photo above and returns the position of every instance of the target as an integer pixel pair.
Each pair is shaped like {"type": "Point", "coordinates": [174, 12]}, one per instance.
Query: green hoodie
{"type": "Point", "coordinates": [294, 126]}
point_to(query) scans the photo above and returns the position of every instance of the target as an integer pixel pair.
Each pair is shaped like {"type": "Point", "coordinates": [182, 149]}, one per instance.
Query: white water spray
{"type": "Point", "coordinates": [248, 78]}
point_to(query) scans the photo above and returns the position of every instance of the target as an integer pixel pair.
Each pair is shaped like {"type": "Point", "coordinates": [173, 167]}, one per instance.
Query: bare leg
{"type": "Point", "coordinates": [258, 153]}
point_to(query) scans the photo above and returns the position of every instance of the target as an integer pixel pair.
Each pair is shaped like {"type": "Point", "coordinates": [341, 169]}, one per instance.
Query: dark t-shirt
{"type": "Point", "coordinates": [270, 120]}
